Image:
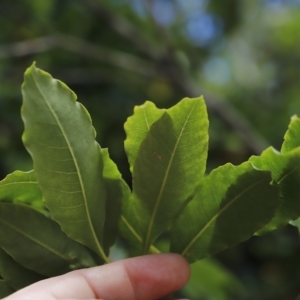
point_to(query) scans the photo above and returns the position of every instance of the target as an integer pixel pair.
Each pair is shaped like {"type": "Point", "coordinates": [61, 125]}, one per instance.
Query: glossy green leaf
{"type": "Point", "coordinates": [210, 280]}
{"type": "Point", "coordinates": [67, 160]}
{"type": "Point", "coordinates": [14, 274]}
{"type": "Point", "coordinates": [116, 191]}
{"type": "Point", "coordinates": [137, 126]}
{"type": "Point", "coordinates": [5, 289]}
{"type": "Point", "coordinates": [37, 242]}
{"type": "Point", "coordinates": [22, 187]}
{"type": "Point", "coordinates": [230, 205]}
{"type": "Point", "coordinates": [285, 168]}
{"type": "Point", "coordinates": [292, 136]}
{"type": "Point", "coordinates": [169, 165]}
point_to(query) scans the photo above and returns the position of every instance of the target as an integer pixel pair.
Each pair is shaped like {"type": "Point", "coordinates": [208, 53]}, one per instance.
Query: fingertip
{"type": "Point", "coordinates": [158, 274]}
{"type": "Point", "coordinates": [182, 265]}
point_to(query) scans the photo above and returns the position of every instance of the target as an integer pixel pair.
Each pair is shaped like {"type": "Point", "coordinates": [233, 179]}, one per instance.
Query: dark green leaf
{"type": "Point", "coordinates": [169, 165]}
{"type": "Point", "coordinates": [285, 169]}
{"type": "Point", "coordinates": [5, 289]}
{"type": "Point", "coordinates": [116, 191]}
{"type": "Point", "coordinates": [37, 242]}
{"type": "Point", "coordinates": [14, 274]}
{"type": "Point", "coordinates": [128, 227]}
{"type": "Point", "coordinates": [137, 126]}
{"type": "Point", "coordinates": [230, 205]}
{"type": "Point", "coordinates": [67, 160]}
{"type": "Point", "coordinates": [22, 187]}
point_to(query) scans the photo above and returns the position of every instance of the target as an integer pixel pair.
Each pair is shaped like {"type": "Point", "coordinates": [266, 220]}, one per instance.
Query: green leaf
{"type": "Point", "coordinates": [116, 191]}
{"type": "Point", "coordinates": [67, 160]}
{"type": "Point", "coordinates": [285, 169]}
{"type": "Point", "coordinates": [292, 136]}
{"type": "Point", "coordinates": [137, 126]}
{"type": "Point", "coordinates": [296, 223]}
{"type": "Point", "coordinates": [169, 165]}
{"type": "Point", "coordinates": [230, 205]}
{"type": "Point", "coordinates": [210, 280]}
{"type": "Point", "coordinates": [14, 274]}
{"type": "Point", "coordinates": [5, 289]}
{"type": "Point", "coordinates": [22, 187]}
{"type": "Point", "coordinates": [37, 242]}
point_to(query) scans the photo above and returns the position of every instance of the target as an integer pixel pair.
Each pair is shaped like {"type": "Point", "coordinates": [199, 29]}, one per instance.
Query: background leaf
{"type": "Point", "coordinates": [210, 280]}
{"type": "Point", "coordinates": [137, 126]}
{"type": "Point", "coordinates": [230, 205]}
{"type": "Point", "coordinates": [15, 275]}
{"type": "Point", "coordinates": [67, 160]}
{"type": "Point", "coordinates": [169, 165]}
{"type": "Point", "coordinates": [22, 187]}
{"type": "Point", "coordinates": [285, 169]}
{"type": "Point", "coordinates": [37, 242]}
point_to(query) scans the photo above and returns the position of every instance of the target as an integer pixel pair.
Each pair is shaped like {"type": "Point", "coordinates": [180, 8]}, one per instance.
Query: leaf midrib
{"type": "Point", "coordinates": [101, 251]}
{"type": "Point", "coordinates": [288, 174]}
{"type": "Point", "coordinates": [220, 212]}
{"type": "Point", "coordinates": [146, 119]}
{"type": "Point", "coordinates": [162, 188]}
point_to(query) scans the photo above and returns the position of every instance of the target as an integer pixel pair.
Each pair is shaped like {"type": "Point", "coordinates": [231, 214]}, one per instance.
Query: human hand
{"type": "Point", "coordinates": [146, 277]}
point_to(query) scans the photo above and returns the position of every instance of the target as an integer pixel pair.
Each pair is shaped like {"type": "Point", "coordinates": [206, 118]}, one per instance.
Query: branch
{"type": "Point", "coordinates": [124, 29]}
{"type": "Point", "coordinates": [105, 55]}
{"type": "Point", "coordinates": [28, 47]}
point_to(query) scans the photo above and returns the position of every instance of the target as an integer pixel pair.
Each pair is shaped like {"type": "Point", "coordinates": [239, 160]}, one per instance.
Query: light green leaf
{"type": "Point", "coordinates": [210, 280]}
{"type": "Point", "coordinates": [169, 165]}
{"type": "Point", "coordinates": [230, 205]}
{"type": "Point", "coordinates": [67, 160]}
{"type": "Point", "coordinates": [292, 136]}
{"type": "Point", "coordinates": [22, 187]}
{"type": "Point", "coordinates": [37, 242]}
{"type": "Point", "coordinates": [296, 223]}
{"type": "Point", "coordinates": [5, 289]}
{"type": "Point", "coordinates": [285, 169]}
{"type": "Point", "coordinates": [137, 126]}
{"type": "Point", "coordinates": [14, 274]}
{"type": "Point", "coordinates": [116, 191]}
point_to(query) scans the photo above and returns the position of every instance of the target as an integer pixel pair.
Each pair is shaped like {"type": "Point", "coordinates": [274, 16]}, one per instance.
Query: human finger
{"type": "Point", "coordinates": [142, 278]}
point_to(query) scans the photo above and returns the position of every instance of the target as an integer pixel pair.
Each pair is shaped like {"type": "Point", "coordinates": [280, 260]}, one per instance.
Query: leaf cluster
{"type": "Point", "coordinates": [68, 211]}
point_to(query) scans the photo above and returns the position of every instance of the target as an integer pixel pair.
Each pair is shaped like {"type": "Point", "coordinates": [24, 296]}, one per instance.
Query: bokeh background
{"type": "Point", "coordinates": [242, 55]}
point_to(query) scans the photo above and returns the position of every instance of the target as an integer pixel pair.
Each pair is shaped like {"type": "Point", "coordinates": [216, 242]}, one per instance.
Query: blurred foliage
{"type": "Point", "coordinates": [242, 55]}
{"type": "Point", "coordinates": [210, 280]}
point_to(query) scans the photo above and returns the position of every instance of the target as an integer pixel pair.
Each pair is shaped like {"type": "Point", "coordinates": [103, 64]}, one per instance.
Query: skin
{"type": "Point", "coordinates": [148, 277]}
